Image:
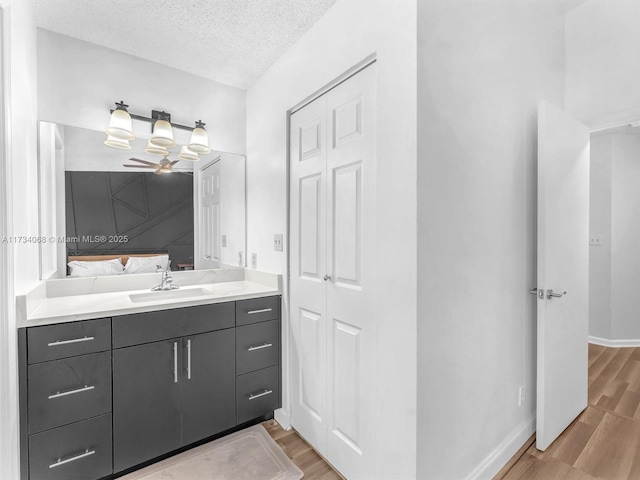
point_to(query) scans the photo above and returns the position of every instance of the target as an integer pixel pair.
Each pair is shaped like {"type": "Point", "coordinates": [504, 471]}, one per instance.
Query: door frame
{"type": "Point", "coordinates": [283, 414]}
{"type": "Point", "coordinates": [9, 409]}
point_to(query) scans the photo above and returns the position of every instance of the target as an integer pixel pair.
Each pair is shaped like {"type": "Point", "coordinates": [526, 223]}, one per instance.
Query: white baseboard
{"type": "Point", "coordinates": [283, 418]}
{"type": "Point", "coordinates": [499, 457]}
{"type": "Point", "coordinates": [605, 342]}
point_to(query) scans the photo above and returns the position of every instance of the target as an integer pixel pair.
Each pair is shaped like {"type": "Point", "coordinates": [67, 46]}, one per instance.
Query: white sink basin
{"type": "Point", "coordinates": [168, 295]}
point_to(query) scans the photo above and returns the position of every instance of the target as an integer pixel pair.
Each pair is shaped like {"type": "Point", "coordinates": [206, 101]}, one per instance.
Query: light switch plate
{"type": "Point", "coordinates": [277, 242]}
{"type": "Point", "coordinates": [224, 240]}
{"type": "Point", "coordinates": [595, 240]}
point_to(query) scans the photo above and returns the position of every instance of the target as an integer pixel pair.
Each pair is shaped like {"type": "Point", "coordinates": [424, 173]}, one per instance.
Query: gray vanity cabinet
{"type": "Point", "coordinates": [146, 403]}
{"type": "Point", "coordinates": [65, 399]}
{"type": "Point", "coordinates": [208, 382]}
{"type": "Point", "coordinates": [101, 396]}
{"type": "Point", "coordinates": [171, 393]}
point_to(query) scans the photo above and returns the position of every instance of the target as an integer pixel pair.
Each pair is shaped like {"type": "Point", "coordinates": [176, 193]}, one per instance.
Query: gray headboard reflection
{"type": "Point", "coordinates": [123, 212]}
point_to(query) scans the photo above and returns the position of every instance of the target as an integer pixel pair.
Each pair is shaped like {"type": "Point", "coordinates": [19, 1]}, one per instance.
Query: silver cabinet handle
{"type": "Point", "coordinates": [327, 278]}
{"type": "Point", "coordinates": [66, 342]}
{"type": "Point", "coordinates": [262, 310]}
{"type": "Point", "coordinates": [71, 392]}
{"type": "Point", "coordinates": [253, 396]}
{"type": "Point", "coordinates": [189, 359]}
{"type": "Point", "coordinates": [72, 459]}
{"type": "Point", "coordinates": [175, 362]}
{"type": "Point", "coordinates": [551, 294]}
{"type": "Point", "coordinates": [258, 347]}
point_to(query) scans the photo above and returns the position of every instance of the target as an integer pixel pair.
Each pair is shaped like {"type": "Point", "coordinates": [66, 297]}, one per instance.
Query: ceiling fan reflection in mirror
{"type": "Point", "coordinates": [164, 166]}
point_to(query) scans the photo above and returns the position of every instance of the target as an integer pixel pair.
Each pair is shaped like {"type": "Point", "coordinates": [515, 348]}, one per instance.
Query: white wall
{"type": "Point", "coordinates": [78, 82]}
{"type": "Point", "coordinates": [614, 269]}
{"type": "Point", "coordinates": [349, 32]}
{"type": "Point", "coordinates": [18, 205]}
{"type": "Point", "coordinates": [600, 224]}
{"type": "Point", "coordinates": [625, 238]}
{"type": "Point", "coordinates": [603, 62]}
{"type": "Point", "coordinates": [482, 67]}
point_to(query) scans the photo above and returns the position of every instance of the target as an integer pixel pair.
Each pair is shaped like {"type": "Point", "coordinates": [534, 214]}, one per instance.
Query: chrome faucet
{"type": "Point", "coordinates": [167, 281]}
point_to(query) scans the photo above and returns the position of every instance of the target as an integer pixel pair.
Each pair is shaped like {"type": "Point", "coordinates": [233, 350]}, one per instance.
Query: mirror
{"type": "Point", "coordinates": [91, 204]}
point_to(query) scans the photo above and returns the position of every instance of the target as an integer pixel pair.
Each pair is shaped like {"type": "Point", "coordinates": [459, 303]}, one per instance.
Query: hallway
{"type": "Point", "coordinates": [604, 441]}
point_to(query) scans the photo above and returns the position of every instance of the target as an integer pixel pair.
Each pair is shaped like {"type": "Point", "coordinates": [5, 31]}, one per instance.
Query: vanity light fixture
{"type": "Point", "coordinates": [120, 131]}
{"type": "Point", "coordinates": [162, 132]}
{"type": "Point", "coordinates": [187, 154]}
{"type": "Point", "coordinates": [117, 143]}
{"type": "Point", "coordinates": [155, 150]}
{"type": "Point", "coordinates": [120, 125]}
{"type": "Point", "coordinates": [199, 139]}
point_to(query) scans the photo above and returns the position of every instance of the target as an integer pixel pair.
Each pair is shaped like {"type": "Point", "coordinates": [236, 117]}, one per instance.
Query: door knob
{"type": "Point", "coordinates": [327, 277]}
{"type": "Point", "coordinates": [551, 294]}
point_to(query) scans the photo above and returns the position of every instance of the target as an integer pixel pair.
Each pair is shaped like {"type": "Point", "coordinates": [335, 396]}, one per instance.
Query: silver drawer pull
{"type": "Point", "coordinates": [175, 362]}
{"type": "Point", "coordinates": [189, 359]}
{"type": "Point", "coordinates": [262, 310]}
{"type": "Point", "coordinates": [253, 396]}
{"type": "Point", "coordinates": [72, 459]}
{"type": "Point", "coordinates": [258, 347]}
{"type": "Point", "coordinates": [66, 342]}
{"type": "Point", "coordinates": [71, 392]}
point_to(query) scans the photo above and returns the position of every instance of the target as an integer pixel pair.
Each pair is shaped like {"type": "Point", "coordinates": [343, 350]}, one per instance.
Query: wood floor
{"type": "Point", "coordinates": [301, 453]}
{"type": "Point", "coordinates": [604, 441]}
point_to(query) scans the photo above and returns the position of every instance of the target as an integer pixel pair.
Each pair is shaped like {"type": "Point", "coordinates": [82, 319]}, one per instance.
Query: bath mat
{"type": "Point", "coordinates": [250, 454]}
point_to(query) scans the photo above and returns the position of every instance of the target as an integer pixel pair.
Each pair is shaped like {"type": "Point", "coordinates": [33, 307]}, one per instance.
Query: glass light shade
{"type": "Point", "coordinates": [117, 143]}
{"type": "Point", "coordinates": [162, 134]}
{"type": "Point", "coordinates": [199, 141]}
{"type": "Point", "coordinates": [155, 150]}
{"type": "Point", "coordinates": [187, 154]}
{"type": "Point", "coordinates": [120, 126]}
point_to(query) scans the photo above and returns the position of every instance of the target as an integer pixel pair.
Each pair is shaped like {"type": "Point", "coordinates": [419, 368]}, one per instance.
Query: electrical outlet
{"type": "Point", "coordinates": [240, 261]}
{"type": "Point", "coordinates": [277, 242]}
{"type": "Point", "coordinates": [521, 395]}
{"type": "Point", "coordinates": [595, 240]}
{"type": "Point", "coordinates": [254, 261]}
{"type": "Point", "coordinates": [224, 240]}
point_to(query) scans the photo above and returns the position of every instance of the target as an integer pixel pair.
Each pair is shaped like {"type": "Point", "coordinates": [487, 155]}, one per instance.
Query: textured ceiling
{"type": "Point", "coordinates": [230, 41]}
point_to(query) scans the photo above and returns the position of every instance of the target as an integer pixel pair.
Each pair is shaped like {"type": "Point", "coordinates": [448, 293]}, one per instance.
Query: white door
{"type": "Point", "coordinates": [209, 216]}
{"type": "Point", "coordinates": [563, 264]}
{"type": "Point", "coordinates": [307, 267]}
{"type": "Point", "coordinates": [333, 174]}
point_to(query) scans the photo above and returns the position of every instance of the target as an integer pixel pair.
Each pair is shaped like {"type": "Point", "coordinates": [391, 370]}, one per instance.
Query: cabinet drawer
{"type": "Point", "coordinates": [149, 327]}
{"type": "Point", "coordinates": [257, 346]}
{"type": "Point", "coordinates": [257, 393]}
{"type": "Point", "coordinates": [51, 342]}
{"type": "Point", "coordinates": [257, 310]}
{"type": "Point", "coordinates": [80, 451]}
{"type": "Point", "coordinates": [68, 390]}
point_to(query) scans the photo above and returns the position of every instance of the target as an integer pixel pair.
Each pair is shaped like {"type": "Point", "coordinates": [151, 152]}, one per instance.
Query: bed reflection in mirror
{"type": "Point", "coordinates": [98, 205]}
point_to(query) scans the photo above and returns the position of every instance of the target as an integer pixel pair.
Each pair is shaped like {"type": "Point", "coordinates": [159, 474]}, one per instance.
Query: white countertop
{"type": "Point", "coordinates": [85, 298]}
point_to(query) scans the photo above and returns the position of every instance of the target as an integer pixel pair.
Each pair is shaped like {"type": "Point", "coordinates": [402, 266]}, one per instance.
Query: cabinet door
{"type": "Point", "coordinates": [146, 402]}
{"type": "Point", "coordinates": [208, 384]}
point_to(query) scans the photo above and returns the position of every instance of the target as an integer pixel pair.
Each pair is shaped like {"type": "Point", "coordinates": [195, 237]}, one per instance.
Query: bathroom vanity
{"type": "Point", "coordinates": [103, 394]}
